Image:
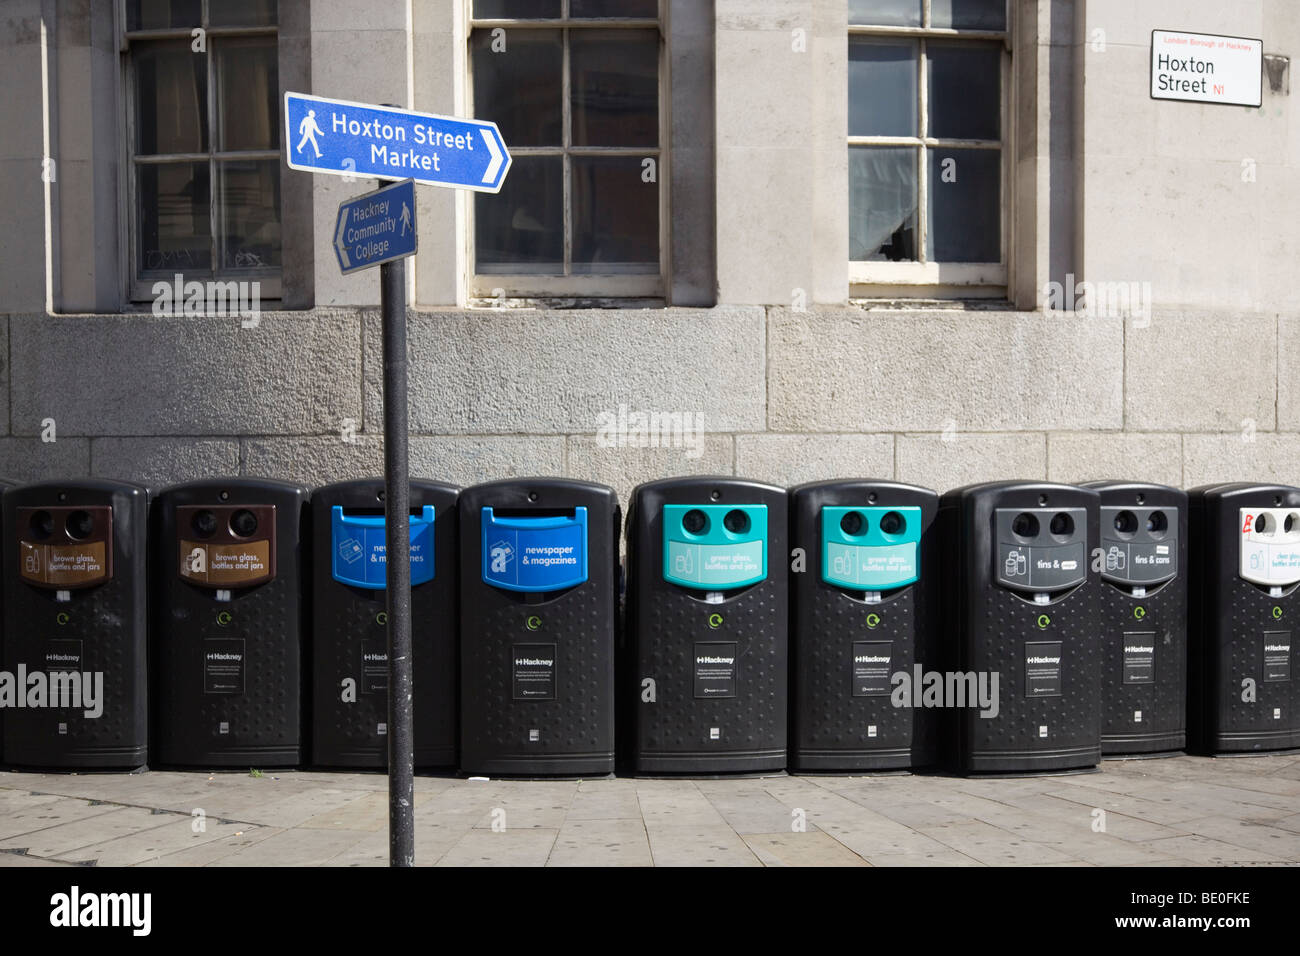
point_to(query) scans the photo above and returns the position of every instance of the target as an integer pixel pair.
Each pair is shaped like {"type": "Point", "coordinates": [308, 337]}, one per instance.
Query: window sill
{"type": "Point", "coordinates": [505, 303]}
{"type": "Point", "coordinates": [996, 302]}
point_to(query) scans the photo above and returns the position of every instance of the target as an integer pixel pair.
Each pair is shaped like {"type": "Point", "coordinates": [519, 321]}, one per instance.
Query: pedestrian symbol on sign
{"type": "Point", "coordinates": [309, 131]}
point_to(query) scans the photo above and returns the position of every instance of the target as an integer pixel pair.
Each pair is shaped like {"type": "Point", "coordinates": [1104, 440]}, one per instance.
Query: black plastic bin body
{"type": "Point", "coordinates": [539, 598]}
{"type": "Point", "coordinates": [75, 608]}
{"type": "Point", "coordinates": [1243, 696]}
{"type": "Point", "coordinates": [1142, 607]}
{"type": "Point", "coordinates": [229, 599]}
{"type": "Point", "coordinates": [862, 609]}
{"type": "Point", "coordinates": [704, 676]}
{"type": "Point", "coordinates": [1020, 609]}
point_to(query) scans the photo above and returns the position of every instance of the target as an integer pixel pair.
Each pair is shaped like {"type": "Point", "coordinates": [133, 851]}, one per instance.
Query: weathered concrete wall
{"type": "Point", "coordinates": [938, 398]}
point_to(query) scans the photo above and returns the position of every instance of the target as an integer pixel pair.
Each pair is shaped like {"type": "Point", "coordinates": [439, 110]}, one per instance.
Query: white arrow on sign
{"type": "Point", "coordinates": [340, 245]}
{"type": "Point", "coordinates": [495, 153]}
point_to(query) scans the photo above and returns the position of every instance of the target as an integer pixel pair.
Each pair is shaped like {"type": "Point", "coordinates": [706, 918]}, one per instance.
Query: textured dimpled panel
{"type": "Point", "coordinates": [347, 733]}
{"type": "Point", "coordinates": [1007, 623]}
{"type": "Point", "coordinates": [265, 715]}
{"type": "Point", "coordinates": [1240, 650]}
{"type": "Point", "coordinates": [1163, 704]}
{"type": "Point", "coordinates": [575, 721]}
{"type": "Point", "coordinates": [832, 719]}
{"type": "Point", "coordinates": [754, 720]}
{"type": "Point", "coordinates": [109, 620]}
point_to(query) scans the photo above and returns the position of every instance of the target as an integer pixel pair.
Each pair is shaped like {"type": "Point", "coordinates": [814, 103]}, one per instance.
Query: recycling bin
{"type": "Point", "coordinates": [4, 483]}
{"type": "Point", "coordinates": [704, 675]}
{"type": "Point", "coordinates": [863, 609]}
{"type": "Point", "coordinates": [539, 593]}
{"type": "Point", "coordinates": [349, 645]}
{"type": "Point", "coordinates": [1245, 569]}
{"type": "Point", "coordinates": [1022, 645]}
{"type": "Point", "coordinates": [1142, 611]}
{"type": "Point", "coordinates": [228, 603]}
{"type": "Point", "coordinates": [76, 624]}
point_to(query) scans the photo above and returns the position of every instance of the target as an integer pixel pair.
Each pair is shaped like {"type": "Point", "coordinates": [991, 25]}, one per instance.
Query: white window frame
{"type": "Point", "coordinates": [875, 279]}
{"type": "Point", "coordinates": [141, 290]}
{"type": "Point", "coordinates": [490, 288]}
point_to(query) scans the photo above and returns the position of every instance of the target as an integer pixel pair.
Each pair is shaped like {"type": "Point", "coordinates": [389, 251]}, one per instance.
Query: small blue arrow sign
{"type": "Point", "coordinates": [376, 227]}
{"type": "Point", "coordinates": [356, 139]}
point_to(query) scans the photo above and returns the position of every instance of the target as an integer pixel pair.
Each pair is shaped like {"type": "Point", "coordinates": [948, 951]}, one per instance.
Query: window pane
{"type": "Point", "coordinates": [965, 90]}
{"type": "Point", "coordinates": [249, 213]}
{"type": "Point", "coordinates": [242, 13]}
{"type": "Point", "coordinates": [174, 218]}
{"type": "Point", "coordinates": [248, 93]}
{"type": "Point", "coordinates": [521, 228]}
{"type": "Point", "coordinates": [882, 203]}
{"type": "Point", "coordinates": [624, 9]}
{"type": "Point", "coordinates": [171, 98]}
{"type": "Point", "coordinates": [969, 14]}
{"type": "Point", "coordinates": [965, 206]}
{"type": "Point", "coordinates": [885, 13]}
{"type": "Point", "coordinates": [519, 87]}
{"type": "Point", "coordinates": [882, 88]}
{"type": "Point", "coordinates": [516, 9]}
{"type": "Point", "coordinates": [615, 217]}
{"type": "Point", "coordinates": [161, 14]}
{"type": "Point", "coordinates": [614, 87]}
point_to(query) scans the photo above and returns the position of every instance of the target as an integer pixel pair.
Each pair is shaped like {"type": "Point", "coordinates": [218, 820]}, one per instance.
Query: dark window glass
{"type": "Point", "coordinates": [175, 218]}
{"type": "Point", "coordinates": [965, 206]}
{"type": "Point", "coordinates": [882, 87]}
{"type": "Point", "coordinates": [965, 90]}
{"type": "Point", "coordinates": [242, 13]}
{"type": "Point", "coordinates": [882, 203]}
{"type": "Point", "coordinates": [614, 85]}
{"type": "Point", "coordinates": [969, 14]}
{"type": "Point", "coordinates": [521, 228]}
{"type": "Point", "coordinates": [622, 9]}
{"type": "Point", "coordinates": [516, 9]}
{"type": "Point", "coordinates": [885, 13]}
{"type": "Point", "coordinates": [247, 81]}
{"type": "Point", "coordinates": [615, 217]}
{"type": "Point", "coordinates": [520, 87]}
{"type": "Point", "coordinates": [163, 14]}
{"type": "Point", "coordinates": [249, 213]}
{"type": "Point", "coordinates": [172, 98]}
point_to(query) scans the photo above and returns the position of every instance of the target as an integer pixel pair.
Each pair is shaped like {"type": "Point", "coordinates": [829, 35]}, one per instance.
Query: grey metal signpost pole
{"type": "Point", "coordinates": [397, 520]}
{"type": "Point", "coordinates": [379, 228]}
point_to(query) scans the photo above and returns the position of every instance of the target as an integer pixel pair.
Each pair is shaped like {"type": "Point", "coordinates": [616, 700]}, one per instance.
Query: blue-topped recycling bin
{"type": "Point", "coordinates": [349, 646]}
{"type": "Point", "coordinates": [539, 598]}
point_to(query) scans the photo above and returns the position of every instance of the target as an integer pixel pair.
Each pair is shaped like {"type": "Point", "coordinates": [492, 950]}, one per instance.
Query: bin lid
{"type": "Point", "coordinates": [359, 548]}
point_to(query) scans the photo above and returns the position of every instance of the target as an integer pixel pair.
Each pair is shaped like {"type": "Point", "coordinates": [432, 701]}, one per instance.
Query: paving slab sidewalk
{"type": "Point", "coordinates": [1177, 811]}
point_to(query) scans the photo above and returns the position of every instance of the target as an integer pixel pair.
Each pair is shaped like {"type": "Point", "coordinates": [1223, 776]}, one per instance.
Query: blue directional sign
{"type": "Point", "coordinates": [356, 139]}
{"type": "Point", "coordinates": [376, 227]}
